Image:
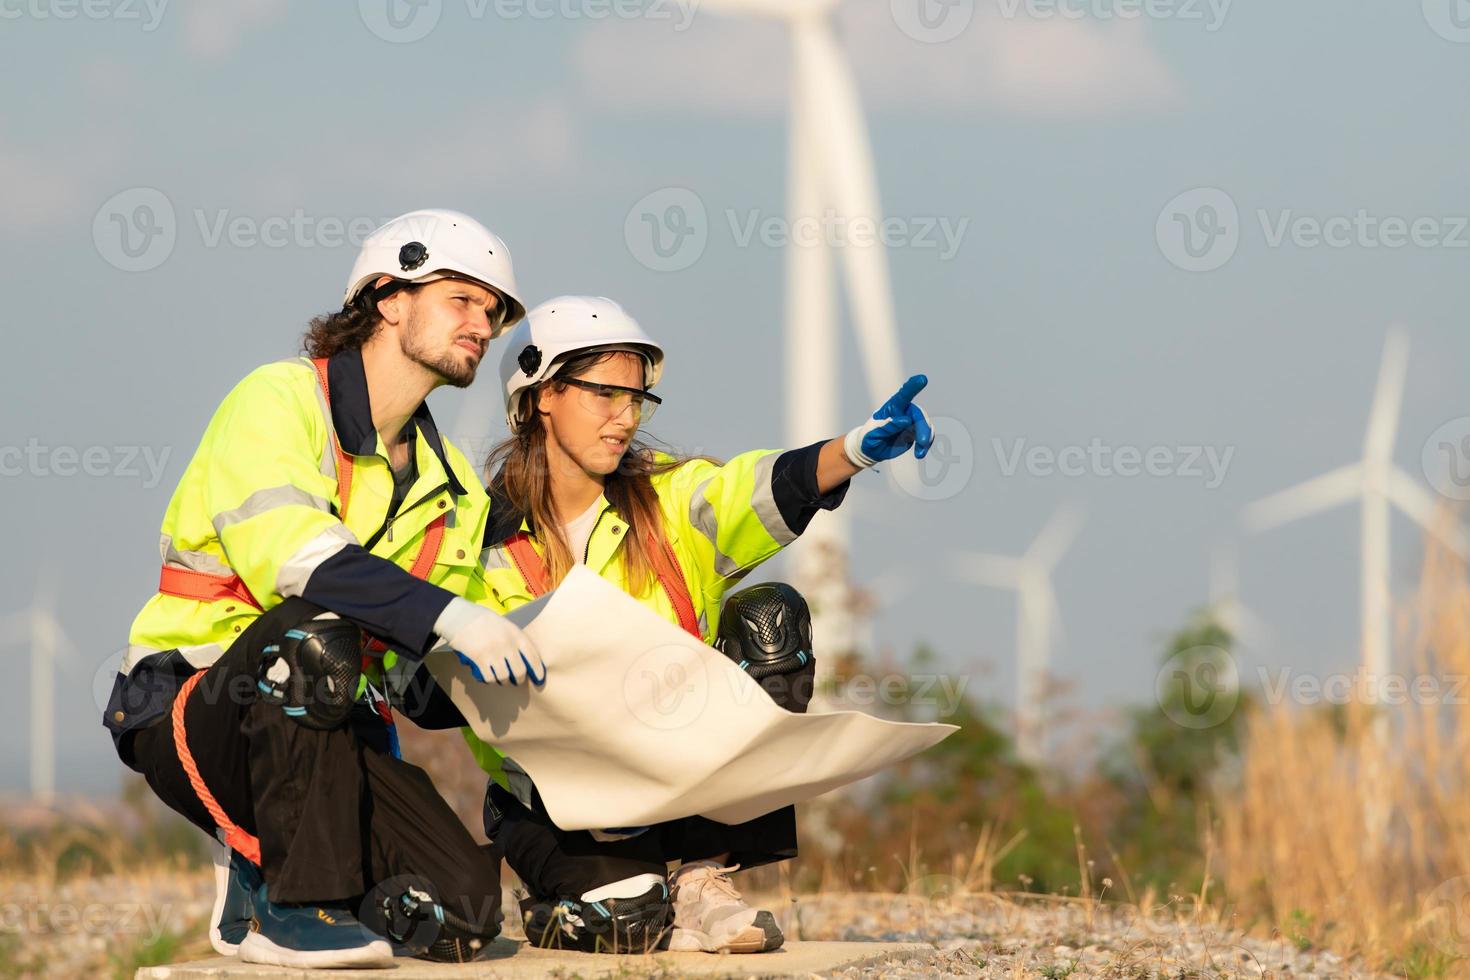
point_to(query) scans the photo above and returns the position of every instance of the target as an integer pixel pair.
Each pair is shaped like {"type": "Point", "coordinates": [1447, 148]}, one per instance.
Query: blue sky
{"type": "Point", "coordinates": [1055, 136]}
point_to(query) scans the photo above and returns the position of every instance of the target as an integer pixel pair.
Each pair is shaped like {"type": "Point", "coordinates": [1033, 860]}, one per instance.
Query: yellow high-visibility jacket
{"type": "Point", "coordinates": [722, 521]}
{"type": "Point", "coordinates": [261, 499]}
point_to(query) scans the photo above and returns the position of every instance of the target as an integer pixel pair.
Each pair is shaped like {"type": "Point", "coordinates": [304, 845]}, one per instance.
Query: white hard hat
{"type": "Point", "coordinates": [431, 244]}
{"type": "Point", "coordinates": [562, 327]}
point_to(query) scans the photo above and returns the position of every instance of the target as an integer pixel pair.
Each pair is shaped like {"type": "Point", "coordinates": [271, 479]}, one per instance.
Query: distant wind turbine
{"type": "Point", "coordinates": [48, 645]}
{"type": "Point", "coordinates": [829, 172]}
{"type": "Point", "coordinates": [1380, 485]}
{"type": "Point", "coordinates": [1037, 612]}
{"type": "Point", "coordinates": [1243, 625]}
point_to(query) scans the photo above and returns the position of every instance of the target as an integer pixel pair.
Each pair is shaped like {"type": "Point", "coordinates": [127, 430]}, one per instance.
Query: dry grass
{"type": "Point", "coordinates": [1351, 827]}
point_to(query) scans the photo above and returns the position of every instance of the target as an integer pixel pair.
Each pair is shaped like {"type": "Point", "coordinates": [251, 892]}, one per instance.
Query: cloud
{"type": "Point", "coordinates": [214, 28]}
{"type": "Point", "coordinates": [1011, 65]}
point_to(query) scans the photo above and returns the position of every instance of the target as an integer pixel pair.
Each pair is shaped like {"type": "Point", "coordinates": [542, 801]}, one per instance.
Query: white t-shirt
{"type": "Point", "coordinates": [579, 531]}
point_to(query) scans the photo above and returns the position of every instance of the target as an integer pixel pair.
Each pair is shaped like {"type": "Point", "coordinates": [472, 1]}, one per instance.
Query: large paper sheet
{"type": "Point", "coordinates": [640, 723]}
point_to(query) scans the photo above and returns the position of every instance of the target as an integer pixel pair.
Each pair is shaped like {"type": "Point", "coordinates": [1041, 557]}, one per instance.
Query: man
{"type": "Point", "coordinates": [322, 515]}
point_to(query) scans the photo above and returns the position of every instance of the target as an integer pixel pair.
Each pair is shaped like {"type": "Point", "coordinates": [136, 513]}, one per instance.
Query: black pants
{"type": "Point", "coordinates": [557, 864]}
{"type": "Point", "coordinates": [337, 818]}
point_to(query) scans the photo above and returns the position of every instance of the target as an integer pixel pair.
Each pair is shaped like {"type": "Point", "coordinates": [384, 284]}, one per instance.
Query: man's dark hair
{"type": "Point", "coordinates": [346, 329]}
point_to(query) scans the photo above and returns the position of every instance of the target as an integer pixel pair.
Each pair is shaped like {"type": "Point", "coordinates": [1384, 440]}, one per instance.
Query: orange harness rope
{"type": "Point", "coordinates": [235, 836]}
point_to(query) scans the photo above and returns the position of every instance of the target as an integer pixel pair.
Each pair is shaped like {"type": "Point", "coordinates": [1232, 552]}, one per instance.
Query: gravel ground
{"type": "Point", "coordinates": [110, 926]}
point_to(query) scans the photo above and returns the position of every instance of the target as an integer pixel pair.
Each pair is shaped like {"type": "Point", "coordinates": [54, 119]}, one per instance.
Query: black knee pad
{"type": "Point", "coordinates": [767, 630]}
{"type": "Point", "coordinates": [407, 910]}
{"type": "Point", "coordinates": [603, 920]}
{"type": "Point", "coordinates": [312, 672]}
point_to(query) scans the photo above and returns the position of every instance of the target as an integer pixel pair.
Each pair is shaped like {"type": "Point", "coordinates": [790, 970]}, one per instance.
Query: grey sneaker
{"type": "Point", "coordinates": [711, 917]}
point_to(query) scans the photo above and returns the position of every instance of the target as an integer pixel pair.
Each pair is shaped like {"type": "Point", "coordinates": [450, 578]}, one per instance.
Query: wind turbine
{"type": "Point", "coordinates": [48, 645]}
{"type": "Point", "coordinates": [1380, 485]}
{"type": "Point", "coordinates": [1244, 626]}
{"type": "Point", "coordinates": [1037, 612]}
{"type": "Point", "coordinates": [829, 172]}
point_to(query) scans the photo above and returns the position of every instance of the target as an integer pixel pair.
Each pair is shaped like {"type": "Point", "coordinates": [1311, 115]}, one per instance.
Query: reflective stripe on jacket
{"type": "Point", "coordinates": [260, 499]}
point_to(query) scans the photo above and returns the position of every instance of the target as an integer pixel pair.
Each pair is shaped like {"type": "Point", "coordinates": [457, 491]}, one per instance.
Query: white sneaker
{"type": "Point", "coordinates": [711, 917]}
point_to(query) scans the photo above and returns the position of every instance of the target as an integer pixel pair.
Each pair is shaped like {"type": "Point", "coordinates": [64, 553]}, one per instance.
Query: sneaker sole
{"type": "Point", "coordinates": [761, 936]}
{"type": "Point", "coordinates": [256, 948]}
{"type": "Point", "coordinates": [219, 855]}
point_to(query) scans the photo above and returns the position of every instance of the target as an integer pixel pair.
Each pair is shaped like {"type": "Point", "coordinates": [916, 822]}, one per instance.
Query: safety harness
{"type": "Point", "coordinates": [538, 578]}
{"type": "Point", "coordinates": [189, 584]}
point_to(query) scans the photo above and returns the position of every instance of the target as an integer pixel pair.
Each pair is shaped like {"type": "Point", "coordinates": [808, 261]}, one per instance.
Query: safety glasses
{"type": "Point", "coordinates": [610, 401]}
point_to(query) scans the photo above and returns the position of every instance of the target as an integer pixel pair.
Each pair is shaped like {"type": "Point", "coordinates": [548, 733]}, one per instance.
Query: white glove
{"type": "Point", "coordinates": [492, 647]}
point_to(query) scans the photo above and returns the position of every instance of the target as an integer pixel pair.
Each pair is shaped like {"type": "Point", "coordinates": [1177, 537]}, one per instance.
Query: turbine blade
{"type": "Point", "coordinates": [1056, 537]}
{"type": "Point", "coordinates": [993, 570]}
{"type": "Point", "coordinates": [1383, 417]}
{"type": "Point", "coordinates": [1419, 505]}
{"type": "Point", "coordinates": [1315, 495]}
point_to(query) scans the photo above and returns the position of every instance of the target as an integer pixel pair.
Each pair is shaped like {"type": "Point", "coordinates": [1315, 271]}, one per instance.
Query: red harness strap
{"type": "Point", "coordinates": [205, 587]}
{"type": "Point", "coordinates": [538, 578]}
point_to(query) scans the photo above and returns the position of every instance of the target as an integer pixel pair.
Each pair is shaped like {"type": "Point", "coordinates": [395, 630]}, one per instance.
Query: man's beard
{"type": "Point", "coordinates": [446, 364]}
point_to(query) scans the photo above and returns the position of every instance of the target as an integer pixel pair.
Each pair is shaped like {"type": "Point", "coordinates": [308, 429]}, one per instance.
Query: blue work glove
{"type": "Point", "coordinates": [895, 427]}
{"type": "Point", "coordinates": [493, 648]}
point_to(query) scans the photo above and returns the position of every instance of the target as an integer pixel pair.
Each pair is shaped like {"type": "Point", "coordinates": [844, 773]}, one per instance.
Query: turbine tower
{"type": "Point", "coordinates": [48, 644]}
{"type": "Point", "coordinates": [1037, 612]}
{"type": "Point", "coordinates": [829, 174]}
{"type": "Point", "coordinates": [1243, 625]}
{"type": "Point", "coordinates": [1379, 485]}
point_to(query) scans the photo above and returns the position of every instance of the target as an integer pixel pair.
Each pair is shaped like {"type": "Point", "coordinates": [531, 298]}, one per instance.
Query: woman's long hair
{"type": "Point", "coordinates": [518, 473]}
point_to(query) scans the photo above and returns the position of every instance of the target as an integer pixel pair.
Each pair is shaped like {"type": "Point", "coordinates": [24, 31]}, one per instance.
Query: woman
{"type": "Point", "coordinates": [573, 485]}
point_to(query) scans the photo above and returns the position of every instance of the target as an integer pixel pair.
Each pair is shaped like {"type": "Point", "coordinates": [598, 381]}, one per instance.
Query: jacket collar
{"type": "Point", "coordinates": [352, 414]}
{"type": "Point", "coordinates": [506, 520]}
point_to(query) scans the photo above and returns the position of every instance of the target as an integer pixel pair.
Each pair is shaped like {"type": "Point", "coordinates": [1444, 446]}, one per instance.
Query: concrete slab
{"type": "Point", "coordinates": [510, 959]}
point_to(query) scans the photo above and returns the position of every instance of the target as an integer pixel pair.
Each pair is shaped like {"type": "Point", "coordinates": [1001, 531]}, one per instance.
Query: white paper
{"type": "Point", "coordinates": [639, 723]}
